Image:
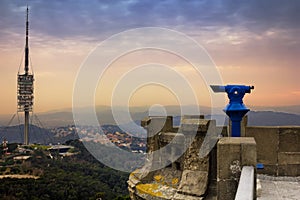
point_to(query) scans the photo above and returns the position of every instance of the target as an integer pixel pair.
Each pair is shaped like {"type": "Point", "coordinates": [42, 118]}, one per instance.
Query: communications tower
{"type": "Point", "coordinates": [25, 88]}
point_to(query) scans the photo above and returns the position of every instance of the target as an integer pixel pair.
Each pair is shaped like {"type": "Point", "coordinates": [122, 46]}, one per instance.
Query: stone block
{"type": "Point", "coordinates": [227, 154]}
{"type": "Point", "coordinates": [213, 164]}
{"type": "Point", "coordinates": [248, 153]}
{"type": "Point", "coordinates": [172, 137]}
{"type": "Point", "coordinates": [289, 139]}
{"type": "Point", "coordinates": [145, 122]}
{"type": "Point", "coordinates": [226, 189]}
{"type": "Point", "coordinates": [268, 170]}
{"type": "Point", "coordinates": [193, 182]}
{"type": "Point", "coordinates": [289, 170]}
{"type": "Point", "coordinates": [192, 160]}
{"type": "Point", "coordinates": [179, 196]}
{"type": "Point", "coordinates": [267, 140]}
{"type": "Point", "coordinates": [286, 158]}
{"type": "Point", "coordinates": [155, 125]}
{"type": "Point", "coordinates": [194, 125]}
{"type": "Point", "coordinates": [233, 153]}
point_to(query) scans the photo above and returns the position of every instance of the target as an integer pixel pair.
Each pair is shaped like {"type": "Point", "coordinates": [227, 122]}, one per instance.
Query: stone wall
{"type": "Point", "coordinates": [186, 172]}
{"type": "Point", "coordinates": [278, 149]}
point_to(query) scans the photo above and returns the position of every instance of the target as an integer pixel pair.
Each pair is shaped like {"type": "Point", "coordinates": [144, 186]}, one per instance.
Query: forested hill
{"type": "Point", "coordinates": [36, 135]}
{"type": "Point", "coordinates": [75, 177]}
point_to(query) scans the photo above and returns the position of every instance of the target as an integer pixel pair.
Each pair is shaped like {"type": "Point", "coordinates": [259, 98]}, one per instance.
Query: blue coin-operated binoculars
{"type": "Point", "coordinates": [235, 109]}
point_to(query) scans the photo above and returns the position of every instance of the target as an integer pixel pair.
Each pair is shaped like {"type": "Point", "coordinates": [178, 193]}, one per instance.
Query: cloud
{"type": "Point", "coordinates": [256, 39]}
{"type": "Point", "coordinates": [69, 18]}
{"type": "Point", "coordinates": [269, 25]}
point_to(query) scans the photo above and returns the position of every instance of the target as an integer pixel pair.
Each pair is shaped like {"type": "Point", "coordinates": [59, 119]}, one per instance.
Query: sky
{"type": "Point", "coordinates": [251, 42]}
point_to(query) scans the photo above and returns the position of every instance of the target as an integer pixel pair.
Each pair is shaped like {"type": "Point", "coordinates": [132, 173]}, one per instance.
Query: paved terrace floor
{"type": "Point", "coordinates": [279, 188]}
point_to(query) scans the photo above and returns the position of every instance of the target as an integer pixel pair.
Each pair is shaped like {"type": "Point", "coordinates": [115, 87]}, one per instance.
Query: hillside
{"type": "Point", "coordinates": [77, 177]}
{"type": "Point", "coordinates": [14, 134]}
{"type": "Point", "coordinates": [36, 134]}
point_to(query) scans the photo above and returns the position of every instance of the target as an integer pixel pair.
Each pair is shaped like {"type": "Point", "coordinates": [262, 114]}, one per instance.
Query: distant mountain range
{"type": "Point", "coordinates": [14, 133]}
{"type": "Point", "coordinates": [259, 116]}
{"type": "Point", "coordinates": [295, 109]}
{"type": "Point", "coordinates": [270, 118]}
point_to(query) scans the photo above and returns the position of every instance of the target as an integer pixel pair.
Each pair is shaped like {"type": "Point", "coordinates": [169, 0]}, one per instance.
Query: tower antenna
{"type": "Point", "coordinates": [26, 44]}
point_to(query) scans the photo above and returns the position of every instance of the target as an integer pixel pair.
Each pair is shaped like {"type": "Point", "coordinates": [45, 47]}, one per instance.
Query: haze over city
{"type": "Point", "coordinates": [251, 42]}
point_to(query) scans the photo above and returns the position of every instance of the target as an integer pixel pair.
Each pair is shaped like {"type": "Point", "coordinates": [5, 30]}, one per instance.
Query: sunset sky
{"type": "Point", "coordinates": [251, 42]}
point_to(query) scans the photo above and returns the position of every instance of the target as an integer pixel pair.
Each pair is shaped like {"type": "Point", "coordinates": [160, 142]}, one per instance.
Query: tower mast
{"type": "Point", "coordinates": [26, 111]}
{"type": "Point", "coordinates": [26, 45]}
{"type": "Point", "coordinates": [25, 87]}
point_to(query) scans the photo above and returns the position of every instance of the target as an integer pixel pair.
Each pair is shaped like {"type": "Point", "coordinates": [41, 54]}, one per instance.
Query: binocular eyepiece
{"type": "Point", "coordinates": [232, 88]}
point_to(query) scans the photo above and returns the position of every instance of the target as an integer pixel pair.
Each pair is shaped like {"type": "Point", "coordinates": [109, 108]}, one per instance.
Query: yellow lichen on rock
{"type": "Point", "coordinates": [174, 181]}
{"type": "Point", "coordinates": [158, 178]}
{"type": "Point", "coordinates": [151, 189]}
